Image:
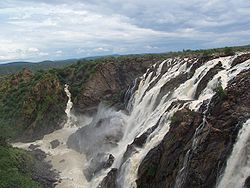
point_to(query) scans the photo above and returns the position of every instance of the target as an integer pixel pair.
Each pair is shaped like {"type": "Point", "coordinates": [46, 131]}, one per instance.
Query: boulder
{"type": "Point", "coordinates": [54, 143]}
{"type": "Point", "coordinates": [110, 180]}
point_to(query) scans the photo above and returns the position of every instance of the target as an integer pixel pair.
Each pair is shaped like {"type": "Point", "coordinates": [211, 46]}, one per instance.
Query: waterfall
{"type": "Point", "coordinates": [129, 95]}
{"type": "Point", "coordinates": [63, 159]}
{"type": "Point", "coordinates": [164, 89]}
{"type": "Point", "coordinates": [238, 165]}
{"type": "Point", "coordinates": [222, 78]}
{"type": "Point", "coordinates": [71, 119]}
{"type": "Point", "coordinates": [181, 176]}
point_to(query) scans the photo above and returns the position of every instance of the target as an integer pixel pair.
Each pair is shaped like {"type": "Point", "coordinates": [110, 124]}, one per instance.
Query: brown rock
{"type": "Point", "coordinates": [240, 59]}
{"type": "Point", "coordinates": [110, 82]}
{"type": "Point", "coordinates": [224, 119]}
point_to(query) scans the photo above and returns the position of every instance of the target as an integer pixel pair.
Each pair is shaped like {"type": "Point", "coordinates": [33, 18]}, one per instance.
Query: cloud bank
{"type": "Point", "coordinates": [52, 29]}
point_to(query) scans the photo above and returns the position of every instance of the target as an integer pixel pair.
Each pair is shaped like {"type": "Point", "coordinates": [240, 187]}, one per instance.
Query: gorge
{"type": "Point", "coordinates": [175, 122]}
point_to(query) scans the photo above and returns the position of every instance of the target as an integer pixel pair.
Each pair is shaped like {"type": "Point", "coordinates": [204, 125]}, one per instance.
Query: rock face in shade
{"type": "Point", "coordinates": [38, 98]}
{"type": "Point", "coordinates": [110, 81]}
{"type": "Point", "coordinates": [42, 172]}
{"type": "Point", "coordinates": [54, 143]}
{"type": "Point", "coordinates": [225, 116]}
{"type": "Point", "coordinates": [160, 166]}
{"type": "Point", "coordinates": [110, 180]}
{"type": "Point", "coordinates": [247, 182]}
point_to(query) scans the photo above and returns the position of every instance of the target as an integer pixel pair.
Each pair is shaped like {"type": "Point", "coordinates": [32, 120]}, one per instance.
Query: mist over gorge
{"type": "Point", "coordinates": [149, 121]}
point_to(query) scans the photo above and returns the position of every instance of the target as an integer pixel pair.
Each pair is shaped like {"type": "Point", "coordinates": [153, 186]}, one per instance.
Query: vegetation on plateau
{"type": "Point", "coordinates": [16, 166]}
{"type": "Point", "coordinates": [33, 101]}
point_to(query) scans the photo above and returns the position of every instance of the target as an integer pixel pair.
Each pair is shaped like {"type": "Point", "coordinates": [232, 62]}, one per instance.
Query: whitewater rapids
{"type": "Point", "coordinates": [67, 162]}
{"type": "Point", "coordinates": [164, 89]}
{"type": "Point", "coordinates": [238, 165]}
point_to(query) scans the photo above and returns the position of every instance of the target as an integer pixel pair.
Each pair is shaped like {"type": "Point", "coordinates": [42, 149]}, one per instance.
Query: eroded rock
{"type": "Point", "coordinates": [97, 163]}
{"type": "Point", "coordinates": [54, 143]}
{"type": "Point", "coordinates": [110, 180]}
{"type": "Point", "coordinates": [224, 119]}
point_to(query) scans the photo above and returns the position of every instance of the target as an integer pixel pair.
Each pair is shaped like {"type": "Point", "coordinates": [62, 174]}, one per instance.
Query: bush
{"type": "Point", "coordinates": [220, 91]}
{"type": "Point", "coordinates": [174, 119]}
{"type": "Point", "coordinates": [15, 168]}
{"type": "Point", "coordinates": [3, 141]}
{"type": "Point", "coordinates": [228, 51]}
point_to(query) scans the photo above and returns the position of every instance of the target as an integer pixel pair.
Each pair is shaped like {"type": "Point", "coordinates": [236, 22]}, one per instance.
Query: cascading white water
{"type": "Point", "coordinates": [146, 108]}
{"type": "Point", "coordinates": [71, 119]}
{"type": "Point", "coordinates": [181, 176]}
{"type": "Point", "coordinates": [223, 77]}
{"type": "Point", "coordinates": [238, 165]}
{"type": "Point", "coordinates": [66, 161]}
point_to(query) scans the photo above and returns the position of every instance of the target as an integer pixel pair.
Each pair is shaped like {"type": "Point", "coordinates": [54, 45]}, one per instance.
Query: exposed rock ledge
{"type": "Point", "coordinates": [225, 117]}
{"type": "Point", "coordinates": [110, 82]}
{"type": "Point", "coordinates": [42, 171]}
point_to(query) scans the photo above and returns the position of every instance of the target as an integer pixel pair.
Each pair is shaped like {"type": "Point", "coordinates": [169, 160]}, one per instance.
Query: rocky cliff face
{"type": "Point", "coordinates": [197, 142]}
{"type": "Point", "coordinates": [188, 149]}
{"type": "Point", "coordinates": [175, 159]}
{"type": "Point", "coordinates": [32, 104]}
{"type": "Point", "coordinates": [110, 81]}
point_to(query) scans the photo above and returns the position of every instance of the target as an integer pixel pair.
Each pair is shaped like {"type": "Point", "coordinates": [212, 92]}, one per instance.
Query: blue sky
{"type": "Point", "coordinates": [34, 30]}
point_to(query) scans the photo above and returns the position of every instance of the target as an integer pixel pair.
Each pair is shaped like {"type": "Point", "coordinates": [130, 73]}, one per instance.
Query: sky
{"type": "Point", "coordinates": [36, 30]}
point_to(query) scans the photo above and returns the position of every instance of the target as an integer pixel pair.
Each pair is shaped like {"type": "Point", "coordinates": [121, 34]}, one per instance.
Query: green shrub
{"type": "Point", "coordinates": [174, 119]}
{"type": "Point", "coordinates": [228, 51]}
{"type": "Point", "coordinates": [15, 168]}
{"type": "Point", "coordinates": [220, 91]}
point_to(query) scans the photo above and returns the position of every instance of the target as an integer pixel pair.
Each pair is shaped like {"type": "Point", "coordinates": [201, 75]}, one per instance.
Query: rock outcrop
{"type": "Point", "coordinates": [110, 180]}
{"type": "Point", "coordinates": [54, 143]}
{"type": "Point", "coordinates": [241, 59]}
{"type": "Point", "coordinates": [225, 116]}
{"type": "Point", "coordinates": [110, 81]}
{"type": "Point", "coordinates": [33, 104]}
{"type": "Point", "coordinates": [97, 163]}
{"type": "Point", "coordinates": [42, 171]}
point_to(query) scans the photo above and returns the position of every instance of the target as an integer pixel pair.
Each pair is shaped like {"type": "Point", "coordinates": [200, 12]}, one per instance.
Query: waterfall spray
{"type": "Point", "coordinates": [71, 119]}
{"type": "Point", "coordinates": [164, 89]}
{"type": "Point", "coordinates": [238, 165]}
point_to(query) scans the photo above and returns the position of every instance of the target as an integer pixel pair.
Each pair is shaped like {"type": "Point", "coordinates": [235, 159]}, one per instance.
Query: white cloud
{"type": "Point", "coordinates": [43, 54]}
{"type": "Point", "coordinates": [32, 49]}
{"type": "Point", "coordinates": [79, 28]}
